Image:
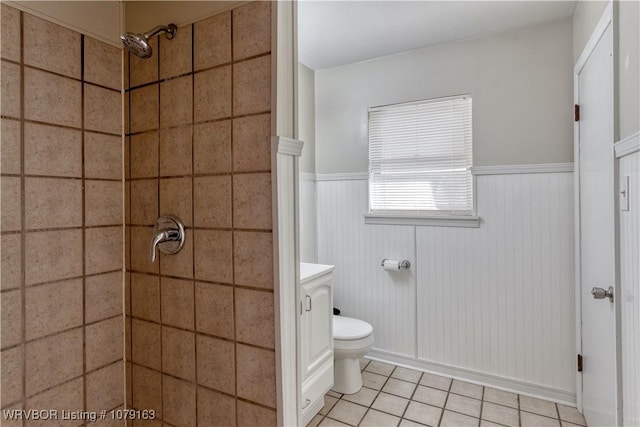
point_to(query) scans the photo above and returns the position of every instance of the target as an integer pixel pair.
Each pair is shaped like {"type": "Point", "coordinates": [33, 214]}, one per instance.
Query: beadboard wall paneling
{"type": "Point", "coordinates": [361, 288]}
{"type": "Point", "coordinates": [497, 300]}
{"type": "Point", "coordinates": [630, 291]}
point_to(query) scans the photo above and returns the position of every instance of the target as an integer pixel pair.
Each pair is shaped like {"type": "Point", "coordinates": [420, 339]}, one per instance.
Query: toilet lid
{"type": "Point", "coordinates": [347, 328]}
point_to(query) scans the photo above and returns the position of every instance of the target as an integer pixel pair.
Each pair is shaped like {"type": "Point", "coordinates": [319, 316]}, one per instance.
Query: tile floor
{"type": "Point", "coordinates": [397, 396]}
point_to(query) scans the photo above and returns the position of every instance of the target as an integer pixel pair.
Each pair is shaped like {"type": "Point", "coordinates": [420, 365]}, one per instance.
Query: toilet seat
{"type": "Point", "coordinates": [350, 329]}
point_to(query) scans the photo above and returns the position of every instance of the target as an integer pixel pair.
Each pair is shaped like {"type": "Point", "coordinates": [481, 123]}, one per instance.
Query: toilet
{"type": "Point", "coordinates": [352, 339]}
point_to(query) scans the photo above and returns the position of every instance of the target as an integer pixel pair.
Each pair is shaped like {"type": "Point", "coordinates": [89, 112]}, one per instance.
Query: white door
{"type": "Point", "coordinates": [597, 234]}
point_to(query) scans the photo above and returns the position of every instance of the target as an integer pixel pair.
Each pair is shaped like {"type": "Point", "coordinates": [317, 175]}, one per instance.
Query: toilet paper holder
{"type": "Point", "coordinates": [404, 264]}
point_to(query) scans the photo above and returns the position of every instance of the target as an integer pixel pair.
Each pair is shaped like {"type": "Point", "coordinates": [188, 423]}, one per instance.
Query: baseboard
{"type": "Point", "coordinates": [502, 383]}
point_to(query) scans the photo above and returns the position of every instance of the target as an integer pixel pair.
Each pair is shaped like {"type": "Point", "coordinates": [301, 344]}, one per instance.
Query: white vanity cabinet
{"type": "Point", "coordinates": [316, 336]}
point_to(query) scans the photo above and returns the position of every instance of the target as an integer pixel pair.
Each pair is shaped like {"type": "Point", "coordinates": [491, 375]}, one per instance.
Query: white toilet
{"type": "Point", "coordinates": [352, 339]}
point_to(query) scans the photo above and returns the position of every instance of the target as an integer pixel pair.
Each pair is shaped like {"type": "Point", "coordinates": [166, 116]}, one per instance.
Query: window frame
{"type": "Point", "coordinates": [424, 218]}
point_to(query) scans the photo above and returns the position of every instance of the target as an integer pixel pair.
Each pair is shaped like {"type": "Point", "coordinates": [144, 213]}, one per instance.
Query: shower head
{"type": "Point", "coordinates": [138, 44]}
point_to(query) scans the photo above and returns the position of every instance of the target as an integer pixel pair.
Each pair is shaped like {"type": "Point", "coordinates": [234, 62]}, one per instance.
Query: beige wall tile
{"type": "Point", "coordinates": [104, 388]}
{"type": "Point", "coordinates": [10, 38]}
{"type": "Point", "coordinates": [252, 201]}
{"type": "Point", "coordinates": [52, 360]}
{"type": "Point", "coordinates": [102, 63]}
{"type": "Point", "coordinates": [251, 29]}
{"type": "Point", "coordinates": [212, 201]}
{"type": "Point", "coordinates": [252, 143]}
{"type": "Point", "coordinates": [12, 363]}
{"type": "Point", "coordinates": [129, 383]}
{"type": "Point", "coordinates": [127, 157]}
{"type": "Point", "coordinates": [254, 415]}
{"type": "Point", "coordinates": [53, 308]}
{"type": "Point", "coordinates": [252, 86]}
{"type": "Point", "coordinates": [215, 409]}
{"type": "Point", "coordinates": [254, 317]}
{"type": "Point", "coordinates": [146, 343]}
{"type": "Point", "coordinates": [176, 102]}
{"type": "Point", "coordinates": [256, 374]}
{"type": "Point", "coordinates": [102, 156]}
{"type": "Point", "coordinates": [103, 249]}
{"type": "Point", "coordinates": [53, 203]}
{"type": "Point", "coordinates": [102, 109]}
{"type": "Point", "coordinates": [11, 199]}
{"type": "Point", "coordinates": [253, 259]}
{"type": "Point", "coordinates": [14, 423]}
{"type": "Point", "coordinates": [103, 202]}
{"type": "Point", "coordinates": [11, 268]}
{"type": "Point", "coordinates": [175, 199]}
{"type": "Point", "coordinates": [144, 104]}
{"type": "Point", "coordinates": [179, 353]}
{"type": "Point", "coordinates": [126, 113]}
{"type": "Point", "coordinates": [52, 99]}
{"type": "Point", "coordinates": [10, 143]}
{"type": "Point", "coordinates": [68, 396]}
{"type": "Point", "coordinates": [53, 255]}
{"type": "Point", "coordinates": [103, 296]}
{"type": "Point", "coordinates": [104, 343]}
{"type": "Point", "coordinates": [11, 318]}
{"type": "Point", "coordinates": [140, 258]}
{"type": "Point", "coordinates": [52, 150]}
{"type": "Point", "coordinates": [145, 296]}
{"type": "Point", "coordinates": [144, 70]}
{"type": "Point", "coordinates": [144, 198]}
{"type": "Point", "coordinates": [177, 303]}
{"type": "Point", "coordinates": [10, 102]}
{"type": "Point", "coordinates": [213, 257]}
{"type": "Point", "coordinates": [175, 54]}
{"type": "Point", "coordinates": [212, 94]}
{"type": "Point", "coordinates": [51, 47]}
{"type": "Point", "coordinates": [216, 363]}
{"type": "Point", "coordinates": [180, 264]}
{"type": "Point", "coordinates": [212, 147]}
{"type": "Point", "coordinates": [212, 41]}
{"type": "Point", "coordinates": [214, 309]}
{"type": "Point", "coordinates": [176, 151]}
{"type": "Point", "coordinates": [144, 155]}
{"type": "Point", "coordinates": [179, 402]}
{"type": "Point", "coordinates": [146, 389]}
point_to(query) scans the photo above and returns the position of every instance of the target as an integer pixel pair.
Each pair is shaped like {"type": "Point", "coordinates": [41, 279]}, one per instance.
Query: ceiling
{"type": "Point", "coordinates": [332, 33]}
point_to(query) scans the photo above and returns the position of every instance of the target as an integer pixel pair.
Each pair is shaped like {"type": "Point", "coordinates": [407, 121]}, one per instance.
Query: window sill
{"type": "Point", "coordinates": [465, 221]}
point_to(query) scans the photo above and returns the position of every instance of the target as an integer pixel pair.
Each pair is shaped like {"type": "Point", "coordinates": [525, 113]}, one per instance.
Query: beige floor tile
{"type": "Point", "coordinates": [467, 389]}
{"type": "Point", "coordinates": [500, 414]}
{"type": "Point", "coordinates": [464, 405]}
{"type": "Point", "coordinates": [399, 388]}
{"type": "Point", "coordinates": [408, 423]}
{"type": "Point", "coordinates": [379, 368]}
{"type": "Point", "coordinates": [435, 381]}
{"type": "Point", "coordinates": [333, 393]}
{"type": "Point", "coordinates": [315, 421]}
{"type": "Point", "coordinates": [364, 363]}
{"type": "Point", "coordinates": [568, 424]}
{"type": "Point", "coordinates": [406, 374]}
{"type": "Point", "coordinates": [453, 419]}
{"type": "Point", "coordinates": [364, 397]}
{"type": "Point", "coordinates": [538, 406]}
{"type": "Point", "coordinates": [501, 397]}
{"type": "Point", "coordinates": [419, 412]}
{"type": "Point", "coordinates": [347, 412]}
{"type": "Point", "coordinates": [533, 420]}
{"type": "Point", "coordinates": [375, 418]}
{"type": "Point", "coordinates": [328, 422]}
{"type": "Point", "coordinates": [390, 404]}
{"type": "Point", "coordinates": [373, 381]}
{"type": "Point", "coordinates": [571, 414]}
{"type": "Point", "coordinates": [329, 403]}
{"type": "Point", "coordinates": [430, 396]}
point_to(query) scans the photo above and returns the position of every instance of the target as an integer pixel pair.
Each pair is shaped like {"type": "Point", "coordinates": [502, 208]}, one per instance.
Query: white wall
{"type": "Point", "coordinates": [585, 19]}
{"type": "Point", "coordinates": [494, 304]}
{"type": "Point", "coordinates": [521, 83]}
{"type": "Point", "coordinates": [629, 68]}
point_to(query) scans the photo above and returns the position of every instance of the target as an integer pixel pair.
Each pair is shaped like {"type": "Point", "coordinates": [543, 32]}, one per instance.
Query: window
{"type": "Point", "coordinates": [420, 158]}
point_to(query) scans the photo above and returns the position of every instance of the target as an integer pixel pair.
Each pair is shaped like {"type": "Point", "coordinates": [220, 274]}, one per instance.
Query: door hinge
{"type": "Point", "coordinates": [579, 363]}
{"type": "Point", "coordinates": [576, 113]}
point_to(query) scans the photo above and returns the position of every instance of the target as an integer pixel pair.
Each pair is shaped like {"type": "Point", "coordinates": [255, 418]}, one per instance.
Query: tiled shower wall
{"type": "Point", "coordinates": [200, 323]}
{"type": "Point", "coordinates": [62, 219]}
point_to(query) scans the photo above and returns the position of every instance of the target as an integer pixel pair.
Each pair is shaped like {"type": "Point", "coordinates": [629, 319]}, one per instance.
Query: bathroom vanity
{"type": "Point", "coordinates": [316, 336]}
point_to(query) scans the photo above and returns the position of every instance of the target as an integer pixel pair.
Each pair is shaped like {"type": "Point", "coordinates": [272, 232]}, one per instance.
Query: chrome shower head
{"type": "Point", "coordinates": [138, 44]}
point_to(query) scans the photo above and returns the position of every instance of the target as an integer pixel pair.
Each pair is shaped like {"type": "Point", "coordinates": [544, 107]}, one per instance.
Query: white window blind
{"type": "Point", "coordinates": [420, 157]}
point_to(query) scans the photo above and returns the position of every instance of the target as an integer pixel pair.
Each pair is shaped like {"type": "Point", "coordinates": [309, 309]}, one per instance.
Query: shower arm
{"type": "Point", "coordinates": [169, 29]}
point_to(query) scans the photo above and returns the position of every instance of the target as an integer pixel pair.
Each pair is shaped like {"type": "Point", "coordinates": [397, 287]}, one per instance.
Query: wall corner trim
{"type": "Point", "coordinates": [515, 169]}
{"type": "Point", "coordinates": [283, 145]}
{"type": "Point", "coordinates": [628, 145]}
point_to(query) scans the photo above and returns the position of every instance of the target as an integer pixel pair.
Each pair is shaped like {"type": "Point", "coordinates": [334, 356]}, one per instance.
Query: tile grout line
{"type": "Point", "coordinates": [23, 268]}
{"type": "Point", "coordinates": [193, 221]}
{"type": "Point", "coordinates": [84, 224]}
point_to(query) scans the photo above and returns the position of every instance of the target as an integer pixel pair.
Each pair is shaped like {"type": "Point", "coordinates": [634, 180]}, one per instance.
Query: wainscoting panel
{"type": "Point", "coordinates": [495, 300]}
{"type": "Point", "coordinates": [362, 289]}
{"type": "Point", "coordinates": [630, 291]}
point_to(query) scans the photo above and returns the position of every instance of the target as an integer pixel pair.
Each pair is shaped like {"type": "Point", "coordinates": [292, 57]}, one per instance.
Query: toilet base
{"type": "Point", "coordinates": [347, 378]}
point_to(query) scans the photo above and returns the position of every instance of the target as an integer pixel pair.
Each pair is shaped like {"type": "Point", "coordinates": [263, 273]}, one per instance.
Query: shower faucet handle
{"type": "Point", "coordinates": [168, 236]}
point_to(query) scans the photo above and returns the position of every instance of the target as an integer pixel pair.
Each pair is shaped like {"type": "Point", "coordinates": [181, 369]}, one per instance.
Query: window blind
{"type": "Point", "coordinates": [420, 157]}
